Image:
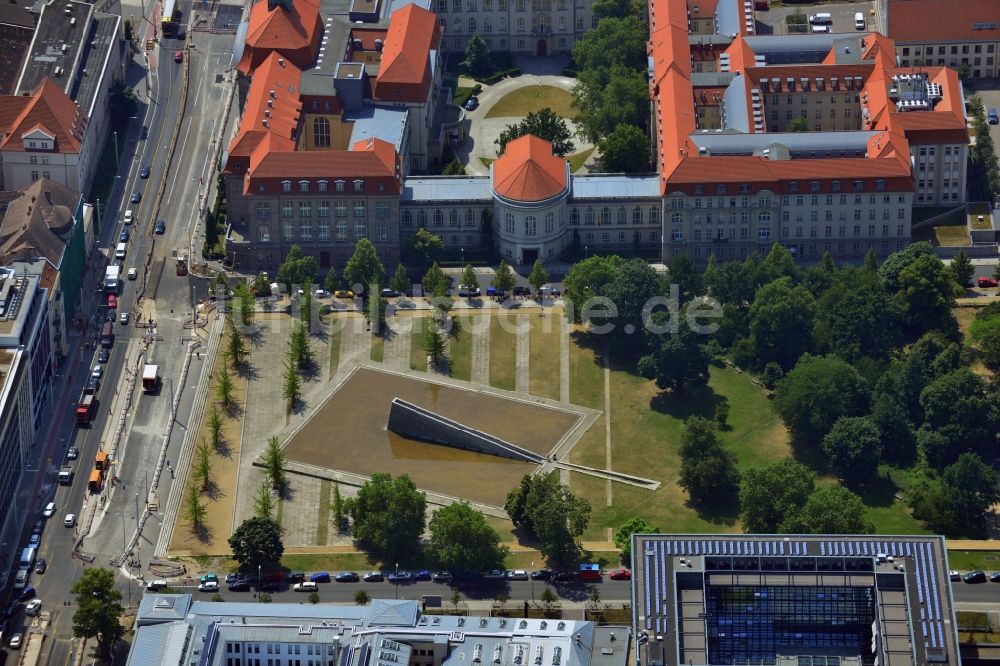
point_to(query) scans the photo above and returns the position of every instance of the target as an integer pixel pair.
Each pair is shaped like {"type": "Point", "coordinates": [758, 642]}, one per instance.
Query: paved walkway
{"type": "Point", "coordinates": [355, 341]}
{"type": "Point", "coordinates": [481, 354]}
{"type": "Point", "coordinates": [396, 353]}
{"type": "Point", "coordinates": [521, 357]}
{"type": "Point", "coordinates": [299, 518]}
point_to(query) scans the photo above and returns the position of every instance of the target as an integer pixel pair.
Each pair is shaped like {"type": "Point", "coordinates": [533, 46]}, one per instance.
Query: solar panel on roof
{"type": "Point", "coordinates": [940, 635]}
{"type": "Point", "coordinates": [822, 548]}
{"type": "Point", "coordinates": [908, 549]}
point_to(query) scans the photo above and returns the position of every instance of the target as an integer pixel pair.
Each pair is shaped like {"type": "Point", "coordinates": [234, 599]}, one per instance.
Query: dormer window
{"type": "Point", "coordinates": [814, 186]}
{"type": "Point", "coordinates": [286, 186]}
{"type": "Point", "coordinates": [835, 185]}
{"type": "Point", "coordinates": [859, 185]}
{"type": "Point", "coordinates": [720, 189]}
{"type": "Point", "coordinates": [339, 185]}
{"type": "Point", "coordinates": [699, 190]}
{"type": "Point", "coordinates": [359, 185]}
{"type": "Point", "coordinates": [322, 185]}
{"type": "Point", "coordinates": [793, 186]}
{"type": "Point", "coordinates": [744, 188]}
{"type": "Point", "coordinates": [879, 184]}
{"type": "Point", "coordinates": [303, 186]}
{"type": "Point", "coordinates": [381, 187]}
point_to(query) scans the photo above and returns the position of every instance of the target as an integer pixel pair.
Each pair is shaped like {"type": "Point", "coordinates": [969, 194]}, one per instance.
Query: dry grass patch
{"type": "Point", "coordinates": [543, 355]}
{"type": "Point", "coordinates": [460, 349]}
{"type": "Point", "coordinates": [532, 99]}
{"type": "Point", "coordinates": [503, 352]}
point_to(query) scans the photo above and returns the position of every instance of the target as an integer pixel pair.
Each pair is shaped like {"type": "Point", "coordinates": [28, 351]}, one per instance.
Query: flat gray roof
{"type": "Point", "coordinates": [99, 50]}
{"type": "Point", "coordinates": [615, 186]}
{"type": "Point", "coordinates": [380, 123]}
{"type": "Point", "coordinates": [336, 27]}
{"type": "Point", "coordinates": [722, 143]}
{"type": "Point", "coordinates": [453, 189]}
{"type": "Point", "coordinates": [60, 39]}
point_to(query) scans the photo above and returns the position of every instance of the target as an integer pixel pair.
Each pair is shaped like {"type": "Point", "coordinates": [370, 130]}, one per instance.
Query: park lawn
{"type": "Point", "coordinates": [949, 235]}
{"type": "Point", "coordinates": [543, 355]}
{"type": "Point", "coordinates": [460, 350]}
{"type": "Point", "coordinates": [378, 347]}
{"type": "Point", "coordinates": [586, 374]}
{"type": "Point", "coordinates": [503, 351]}
{"type": "Point", "coordinates": [577, 160]}
{"type": "Point", "coordinates": [418, 357]}
{"type": "Point", "coordinates": [532, 99]}
{"type": "Point", "coordinates": [971, 560]}
{"type": "Point", "coordinates": [333, 327]}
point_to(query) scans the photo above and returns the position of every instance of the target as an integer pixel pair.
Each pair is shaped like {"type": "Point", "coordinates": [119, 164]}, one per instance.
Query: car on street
{"type": "Point", "coordinates": [541, 574]}
{"type": "Point", "coordinates": [128, 217]}
{"type": "Point", "coordinates": [93, 384]}
{"type": "Point", "coordinates": [102, 357]}
{"type": "Point", "coordinates": [517, 574]}
{"type": "Point", "coordinates": [35, 539]}
{"type": "Point", "coordinates": [72, 453]}
{"type": "Point", "coordinates": [305, 586]}
{"type": "Point", "coordinates": [342, 577]}
{"type": "Point", "coordinates": [495, 574]}
{"type": "Point", "coordinates": [112, 302]}
{"type": "Point", "coordinates": [123, 236]}
{"type": "Point", "coordinates": [992, 117]}
{"type": "Point", "coordinates": [178, 56]}
{"type": "Point", "coordinates": [522, 291]}
{"type": "Point", "coordinates": [123, 317]}
{"type": "Point", "coordinates": [28, 593]}
{"type": "Point", "coordinates": [465, 292]}
{"type": "Point", "coordinates": [208, 586]}
{"type": "Point", "coordinates": [564, 577]}
{"type": "Point", "coordinates": [33, 607]}
{"type": "Point", "coordinates": [238, 585]}
{"type": "Point", "coordinates": [441, 577]}
{"type": "Point", "coordinates": [373, 577]}
{"type": "Point", "coordinates": [15, 641]}
{"type": "Point", "coordinates": [230, 577]}
{"type": "Point", "coordinates": [158, 584]}
{"type": "Point", "coordinates": [208, 578]}
{"type": "Point", "coordinates": [954, 575]}
{"type": "Point", "coordinates": [136, 197]}
{"type": "Point", "coordinates": [472, 103]}
{"type": "Point", "coordinates": [995, 577]}
{"type": "Point", "coordinates": [974, 577]}
{"type": "Point", "coordinates": [133, 273]}
{"type": "Point", "coordinates": [987, 282]}
{"type": "Point", "coordinates": [322, 577]}
{"type": "Point", "coordinates": [160, 227]}
{"type": "Point", "coordinates": [50, 509]}
{"type": "Point", "coordinates": [389, 293]}
{"type": "Point", "coordinates": [70, 520]}
{"type": "Point", "coordinates": [144, 172]}
{"type": "Point", "coordinates": [97, 372]}
{"type": "Point", "coordinates": [400, 577]}
{"type": "Point", "coordinates": [344, 293]}
{"type": "Point", "coordinates": [621, 574]}
{"type": "Point", "coordinates": [41, 565]}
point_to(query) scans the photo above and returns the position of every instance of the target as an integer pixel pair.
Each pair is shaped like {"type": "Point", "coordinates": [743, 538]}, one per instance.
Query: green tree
{"type": "Point", "coordinates": [364, 268]}
{"type": "Point", "coordinates": [122, 103]}
{"type": "Point", "coordinates": [427, 247]}
{"type": "Point", "coordinates": [679, 359]}
{"type": "Point", "coordinates": [274, 462]}
{"type": "Point", "coordinates": [817, 392]}
{"type": "Point", "coordinates": [300, 354]}
{"type": "Point", "coordinates": [257, 543]}
{"type": "Point", "coordinates": [400, 281]}
{"type": "Point", "coordinates": [984, 333]}
{"type": "Point", "coordinates": [685, 274]}
{"type": "Point", "coordinates": [768, 495]}
{"type": "Point", "coordinates": [362, 598]}
{"type": "Point", "coordinates": [388, 517]}
{"type": "Point", "coordinates": [853, 447]}
{"type": "Point", "coordinates": [615, 41]}
{"type": "Point", "coordinates": [544, 124]}
{"type": "Point", "coordinates": [538, 276]}
{"type": "Point", "coordinates": [957, 408]}
{"type": "Point", "coordinates": [306, 309]}
{"type": "Point", "coordinates": [781, 323]}
{"type": "Point", "coordinates": [896, 262]}
{"type": "Point", "coordinates": [871, 260]}
{"type": "Point", "coordinates": [462, 540]}
{"type": "Point", "coordinates": [708, 470]}
{"type": "Point", "coordinates": [313, 598]}
{"type": "Point", "coordinates": [552, 514]}
{"type": "Point", "coordinates": [435, 281]}
{"type": "Point", "coordinates": [434, 343]}
{"type": "Point", "coordinates": [771, 374]}
{"type": "Point", "coordinates": [623, 537]}
{"type": "Point", "coordinates": [608, 98]}
{"type": "Point", "coordinates": [618, 8]}
{"type": "Point", "coordinates": [453, 168]}
{"type": "Point", "coordinates": [339, 508]}
{"type": "Point", "coordinates": [291, 388]}
{"type": "Point", "coordinates": [800, 124]}
{"type": "Point", "coordinates": [194, 510]}
{"type": "Point", "coordinates": [548, 597]}
{"type": "Point", "coordinates": [891, 416]}
{"type": "Point", "coordinates": [589, 278]}
{"type": "Point", "coordinates": [926, 295]}
{"type": "Point", "coordinates": [246, 307]}
{"type": "Point", "coordinates": [224, 389]}
{"type": "Point", "coordinates": [830, 510]}
{"type": "Point", "coordinates": [633, 285]}
{"type": "Point", "coordinates": [856, 318]}
{"type": "Point", "coordinates": [625, 150]}
{"type": "Point", "coordinates": [331, 282]}
{"type": "Point", "coordinates": [962, 269]}
{"type": "Point", "coordinates": [297, 268]}
{"type": "Point", "coordinates": [971, 487]}
{"type": "Point", "coordinates": [478, 59]}
{"type": "Point", "coordinates": [263, 503]}
{"type": "Point", "coordinates": [236, 348]}
{"type": "Point", "coordinates": [469, 280]}
{"type": "Point", "coordinates": [503, 281]}
{"type": "Point", "coordinates": [98, 608]}
{"type": "Point", "coordinates": [203, 466]}
{"type": "Point", "coordinates": [215, 427]}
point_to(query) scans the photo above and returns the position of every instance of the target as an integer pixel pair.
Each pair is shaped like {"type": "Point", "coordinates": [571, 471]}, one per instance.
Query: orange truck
{"type": "Point", "coordinates": [97, 474]}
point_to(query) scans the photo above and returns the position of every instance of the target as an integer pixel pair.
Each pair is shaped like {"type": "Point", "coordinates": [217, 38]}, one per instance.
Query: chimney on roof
{"type": "Point", "coordinates": [273, 94]}
{"type": "Point", "coordinates": [281, 62]}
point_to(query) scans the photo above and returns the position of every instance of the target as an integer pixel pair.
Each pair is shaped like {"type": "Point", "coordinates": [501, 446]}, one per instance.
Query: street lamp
{"type": "Point", "coordinates": [395, 580]}
{"type": "Point", "coordinates": [531, 577]}
{"type": "Point", "coordinates": [117, 156]}
{"type": "Point", "coordinates": [258, 583]}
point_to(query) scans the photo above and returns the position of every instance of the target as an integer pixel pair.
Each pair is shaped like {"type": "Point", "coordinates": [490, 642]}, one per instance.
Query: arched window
{"type": "Point", "coordinates": [422, 218]}
{"type": "Point", "coordinates": [637, 215]}
{"type": "Point", "coordinates": [654, 215]}
{"type": "Point", "coordinates": [605, 216]}
{"type": "Point", "coordinates": [508, 220]}
{"type": "Point", "coordinates": [438, 218]}
{"type": "Point", "coordinates": [622, 215]}
{"type": "Point", "coordinates": [453, 217]}
{"type": "Point", "coordinates": [574, 216]}
{"type": "Point", "coordinates": [470, 217]}
{"type": "Point", "coordinates": [321, 133]}
{"type": "Point", "coordinates": [530, 226]}
{"type": "Point", "coordinates": [407, 218]}
{"type": "Point", "coordinates": [588, 216]}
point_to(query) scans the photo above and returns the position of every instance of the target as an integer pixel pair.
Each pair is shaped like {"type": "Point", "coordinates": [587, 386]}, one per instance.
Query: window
{"type": "Point", "coordinates": [530, 226]}
{"type": "Point", "coordinates": [622, 215]}
{"type": "Point", "coordinates": [321, 185]}
{"type": "Point", "coordinates": [341, 230]}
{"type": "Point", "coordinates": [520, 25]}
{"type": "Point", "coordinates": [359, 209]}
{"type": "Point", "coordinates": [519, 5]}
{"type": "Point", "coordinates": [605, 216]}
{"type": "Point", "coordinates": [360, 230]}
{"type": "Point", "coordinates": [286, 209]}
{"type": "Point", "coordinates": [263, 210]}
{"type": "Point", "coordinates": [487, 24]}
{"type": "Point", "coordinates": [550, 223]}
{"type": "Point", "coordinates": [359, 185]}
{"type": "Point", "coordinates": [654, 215]}
{"type": "Point", "coordinates": [383, 232]}
{"type": "Point", "coordinates": [676, 218]}
{"type": "Point", "coordinates": [509, 223]}
{"type": "Point", "coordinates": [339, 185]}
{"type": "Point", "coordinates": [321, 133]}
{"type": "Point", "coordinates": [472, 24]}
{"type": "Point", "coordinates": [264, 233]}
{"type": "Point", "coordinates": [324, 230]}
{"type": "Point", "coordinates": [453, 218]}
{"type": "Point", "coordinates": [305, 209]}
{"type": "Point", "coordinates": [407, 218]}
{"type": "Point", "coordinates": [323, 209]}
{"type": "Point", "coordinates": [286, 186]}
{"type": "Point", "coordinates": [340, 209]}
{"type": "Point", "coordinates": [306, 231]}
{"type": "Point", "coordinates": [287, 231]}
{"type": "Point", "coordinates": [637, 215]}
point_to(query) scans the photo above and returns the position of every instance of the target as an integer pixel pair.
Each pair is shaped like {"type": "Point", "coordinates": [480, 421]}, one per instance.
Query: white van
{"type": "Point", "coordinates": [128, 216]}
{"type": "Point", "coordinates": [120, 251]}
{"type": "Point", "coordinates": [859, 21]}
{"type": "Point", "coordinates": [822, 18]}
{"type": "Point", "coordinates": [820, 29]}
{"type": "Point", "coordinates": [22, 579]}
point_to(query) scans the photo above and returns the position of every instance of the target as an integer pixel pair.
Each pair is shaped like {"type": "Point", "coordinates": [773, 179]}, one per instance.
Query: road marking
{"type": "Point", "coordinates": [180, 155]}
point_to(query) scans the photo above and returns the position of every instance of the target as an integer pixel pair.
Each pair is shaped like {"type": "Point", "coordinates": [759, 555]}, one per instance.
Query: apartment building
{"type": "Point", "coordinates": [946, 34]}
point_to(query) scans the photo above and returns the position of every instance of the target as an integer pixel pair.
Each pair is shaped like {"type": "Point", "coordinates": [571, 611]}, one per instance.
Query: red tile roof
{"type": "Point", "coordinates": [942, 20]}
{"type": "Point", "coordinates": [405, 70]}
{"type": "Point", "coordinates": [264, 115]}
{"type": "Point", "coordinates": [290, 27]}
{"type": "Point", "coordinates": [48, 109]}
{"type": "Point", "coordinates": [702, 9]}
{"type": "Point", "coordinates": [529, 171]}
{"type": "Point", "coordinates": [367, 36]}
{"type": "Point", "coordinates": [367, 165]}
{"type": "Point", "coordinates": [944, 124]}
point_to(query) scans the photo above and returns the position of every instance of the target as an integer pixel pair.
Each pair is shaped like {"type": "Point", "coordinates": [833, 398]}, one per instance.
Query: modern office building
{"type": "Point", "coordinates": [946, 34]}
{"type": "Point", "coordinates": [792, 600]}
{"type": "Point", "coordinates": [174, 630]}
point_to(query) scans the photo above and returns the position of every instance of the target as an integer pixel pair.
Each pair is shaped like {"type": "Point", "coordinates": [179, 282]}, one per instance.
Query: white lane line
{"type": "Point", "coordinates": [173, 182]}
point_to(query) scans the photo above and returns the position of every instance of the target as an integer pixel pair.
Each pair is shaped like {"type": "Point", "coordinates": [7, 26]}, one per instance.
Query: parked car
{"type": "Point", "coordinates": [541, 574]}
{"type": "Point", "coordinates": [374, 577]}
{"type": "Point", "coordinates": [992, 117]}
{"type": "Point", "coordinates": [33, 607]}
{"type": "Point", "coordinates": [472, 103]}
{"type": "Point", "coordinates": [564, 577]}
{"type": "Point", "coordinates": [621, 574]}
{"type": "Point", "coordinates": [102, 357]}
{"type": "Point", "coordinates": [323, 577]}
{"type": "Point", "coordinates": [954, 575]}
{"type": "Point", "coordinates": [342, 577]}
{"type": "Point", "coordinates": [16, 640]}
{"type": "Point", "coordinates": [296, 576]}
{"type": "Point", "coordinates": [995, 577]}
{"type": "Point", "coordinates": [496, 574]}
{"type": "Point", "coordinates": [974, 577]}
{"type": "Point", "coordinates": [41, 565]}
{"type": "Point", "coordinates": [35, 539]}
{"type": "Point", "coordinates": [389, 293]}
{"type": "Point", "coordinates": [522, 291]}
{"type": "Point", "coordinates": [321, 293]}
{"type": "Point", "coordinates": [517, 574]}
{"type": "Point", "coordinates": [465, 292]}
{"type": "Point", "coordinates": [423, 574]}
{"type": "Point", "coordinates": [305, 586]}
{"type": "Point", "coordinates": [112, 302]}
{"type": "Point", "coordinates": [208, 578]}
{"type": "Point", "coordinates": [344, 293]}
{"type": "Point", "coordinates": [97, 372]}
{"type": "Point", "coordinates": [133, 273]}
{"type": "Point", "coordinates": [70, 520]}
{"type": "Point", "coordinates": [238, 585]}
{"type": "Point", "coordinates": [209, 586]}
{"type": "Point", "coordinates": [160, 227]}
{"type": "Point", "coordinates": [233, 577]}
{"type": "Point", "coordinates": [400, 577]}
{"type": "Point", "coordinates": [987, 282]}
{"type": "Point", "coordinates": [136, 197]}
{"type": "Point", "coordinates": [50, 509]}
{"type": "Point", "coordinates": [144, 172]}
{"type": "Point", "coordinates": [28, 593]}
{"type": "Point", "coordinates": [123, 318]}
{"type": "Point", "coordinates": [123, 236]}
{"type": "Point", "coordinates": [441, 577]}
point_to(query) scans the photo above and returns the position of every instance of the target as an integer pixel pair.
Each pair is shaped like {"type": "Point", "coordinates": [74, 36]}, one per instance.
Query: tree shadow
{"type": "Point", "coordinates": [810, 455]}
{"type": "Point", "coordinates": [223, 450]}
{"type": "Point", "coordinates": [247, 371]}
{"type": "Point", "coordinates": [310, 371]}
{"type": "Point", "coordinates": [298, 406]}
{"type": "Point", "coordinates": [233, 410]}
{"type": "Point", "coordinates": [880, 492]}
{"type": "Point", "coordinates": [695, 400]}
{"type": "Point", "coordinates": [722, 511]}
{"type": "Point", "coordinates": [212, 491]}
{"type": "Point", "coordinates": [203, 533]}
{"type": "Point", "coordinates": [286, 493]}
